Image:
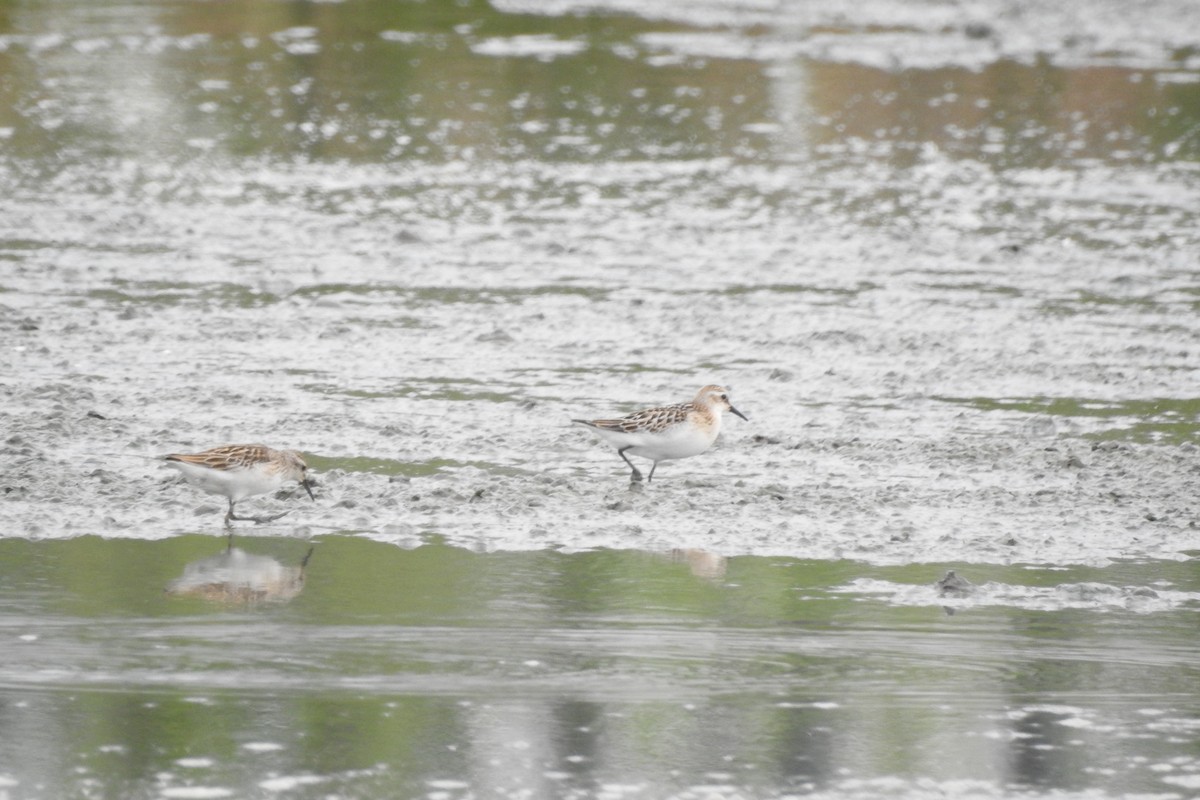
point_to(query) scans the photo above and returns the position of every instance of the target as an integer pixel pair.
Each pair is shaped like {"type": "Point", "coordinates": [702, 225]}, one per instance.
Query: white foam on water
{"type": "Point", "coordinates": [195, 792]}
{"type": "Point", "coordinates": [287, 783]}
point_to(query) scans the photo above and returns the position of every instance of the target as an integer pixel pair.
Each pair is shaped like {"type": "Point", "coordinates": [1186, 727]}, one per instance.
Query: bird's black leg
{"type": "Point", "coordinates": [652, 468]}
{"type": "Point", "coordinates": [637, 475]}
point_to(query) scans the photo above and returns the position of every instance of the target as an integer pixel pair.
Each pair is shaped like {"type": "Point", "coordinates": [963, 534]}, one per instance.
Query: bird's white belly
{"type": "Point", "coordinates": [232, 483]}
{"type": "Point", "coordinates": [680, 441]}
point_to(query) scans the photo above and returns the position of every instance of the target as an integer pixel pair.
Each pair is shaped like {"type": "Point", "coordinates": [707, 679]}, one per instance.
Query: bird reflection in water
{"type": "Point", "coordinates": [702, 563]}
{"type": "Point", "coordinates": [236, 577]}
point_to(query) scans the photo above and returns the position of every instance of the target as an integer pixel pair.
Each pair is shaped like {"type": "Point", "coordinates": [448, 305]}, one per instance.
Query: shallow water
{"type": "Point", "coordinates": [945, 254]}
{"type": "Point", "coordinates": [436, 671]}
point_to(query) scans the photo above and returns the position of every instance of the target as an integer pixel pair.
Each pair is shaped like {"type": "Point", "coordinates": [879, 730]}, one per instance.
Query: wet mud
{"type": "Point", "coordinates": [910, 415]}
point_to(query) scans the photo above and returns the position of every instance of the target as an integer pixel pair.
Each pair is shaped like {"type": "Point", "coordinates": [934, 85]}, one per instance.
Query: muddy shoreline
{"type": "Point", "coordinates": [958, 305]}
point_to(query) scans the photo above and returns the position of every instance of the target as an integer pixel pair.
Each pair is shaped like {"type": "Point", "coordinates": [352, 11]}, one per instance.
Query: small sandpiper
{"type": "Point", "coordinates": [668, 432]}
{"type": "Point", "coordinates": [238, 471]}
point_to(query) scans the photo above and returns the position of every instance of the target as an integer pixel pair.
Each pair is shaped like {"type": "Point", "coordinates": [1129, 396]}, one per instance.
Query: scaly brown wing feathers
{"type": "Point", "coordinates": [233, 456]}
